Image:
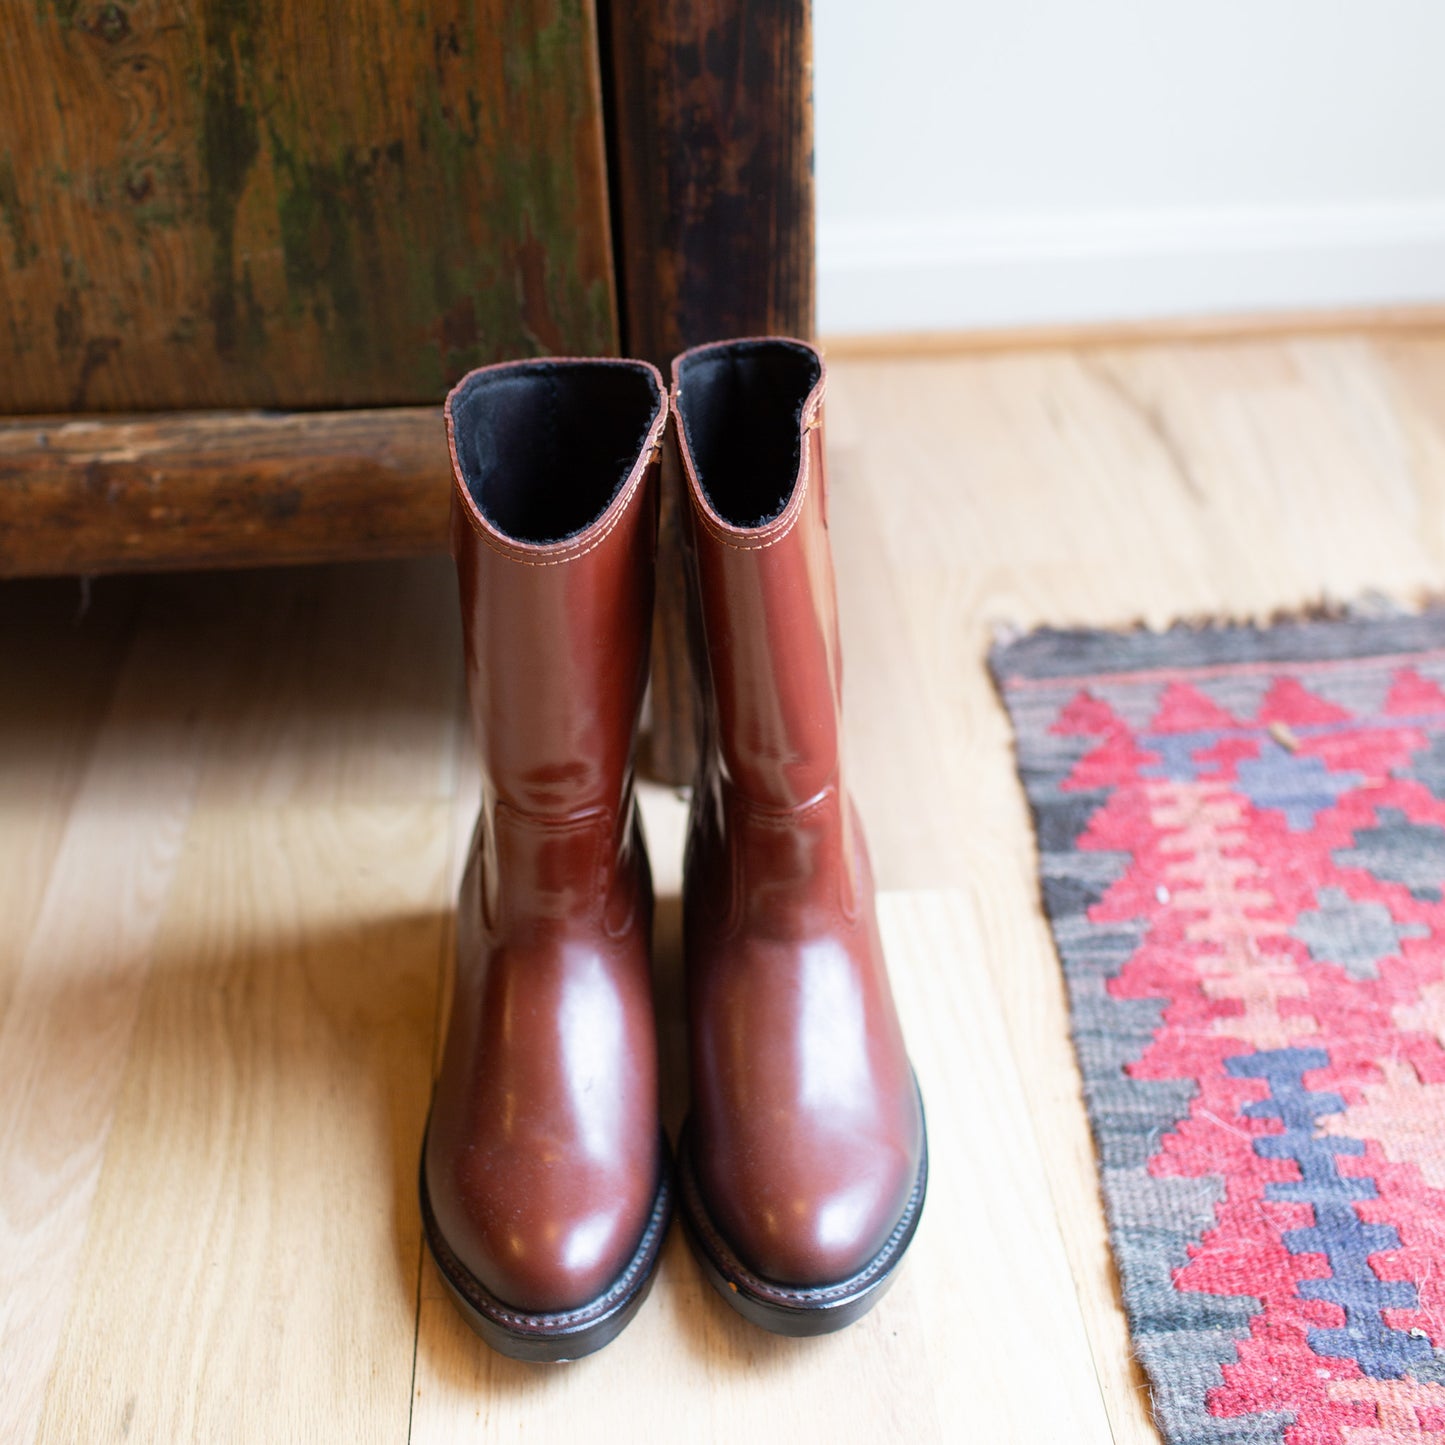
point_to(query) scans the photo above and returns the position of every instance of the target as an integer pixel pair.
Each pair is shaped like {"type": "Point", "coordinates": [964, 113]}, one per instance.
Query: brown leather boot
{"type": "Point", "coordinates": [544, 1180]}
{"type": "Point", "coordinates": [804, 1161]}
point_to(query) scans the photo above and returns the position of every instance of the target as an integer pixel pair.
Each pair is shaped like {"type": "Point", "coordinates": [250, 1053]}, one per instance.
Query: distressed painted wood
{"type": "Point", "coordinates": [712, 131]}
{"type": "Point", "coordinates": [299, 203]}
{"type": "Point", "coordinates": [713, 140]}
{"type": "Point", "coordinates": [220, 489]}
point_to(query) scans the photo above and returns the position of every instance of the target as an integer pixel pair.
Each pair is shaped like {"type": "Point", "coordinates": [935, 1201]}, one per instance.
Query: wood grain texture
{"type": "Point", "coordinates": [73, 991]}
{"type": "Point", "coordinates": [712, 149]}
{"type": "Point", "coordinates": [301, 203]}
{"type": "Point", "coordinates": [52, 722]}
{"type": "Point", "coordinates": [249, 795]}
{"type": "Point", "coordinates": [234, 974]}
{"type": "Point", "coordinates": [271, 1109]}
{"type": "Point", "coordinates": [220, 489]}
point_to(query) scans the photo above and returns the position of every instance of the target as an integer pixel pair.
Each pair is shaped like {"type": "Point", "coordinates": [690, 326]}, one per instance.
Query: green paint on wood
{"type": "Point", "coordinates": [327, 213]}
{"type": "Point", "coordinates": [68, 314]}
{"type": "Point", "coordinates": [230, 143]}
{"type": "Point", "coordinates": [252, 313]}
{"type": "Point", "coordinates": [68, 322]}
{"type": "Point", "coordinates": [23, 249]}
{"type": "Point", "coordinates": [527, 292]}
{"type": "Point", "coordinates": [540, 200]}
{"type": "Point", "coordinates": [357, 245]}
{"type": "Point", "coordinates": [450, 285]}
{"type": "Point", "coordinates": [155, 191]}
{"type": "Point", "coordinates": [110, 23]}
{"type": "Point", "coordinates": [64, 10]}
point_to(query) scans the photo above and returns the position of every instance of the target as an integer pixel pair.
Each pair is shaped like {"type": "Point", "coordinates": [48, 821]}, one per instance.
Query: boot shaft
{"type": "Point", "coordinates": [750, 438]}
{"type": "Point", "coordinates": [801, 1089]}
{"type": "Point", "coordinates": [554, 527]}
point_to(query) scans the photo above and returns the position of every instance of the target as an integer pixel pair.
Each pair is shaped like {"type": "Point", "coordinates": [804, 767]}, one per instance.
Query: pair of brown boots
{"type": "Point", "coordinates": [546, 1180]}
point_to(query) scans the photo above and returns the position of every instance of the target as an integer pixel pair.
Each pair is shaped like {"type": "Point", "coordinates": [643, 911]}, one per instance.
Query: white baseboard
{"type": "Point", "coordinates": [962, 273]}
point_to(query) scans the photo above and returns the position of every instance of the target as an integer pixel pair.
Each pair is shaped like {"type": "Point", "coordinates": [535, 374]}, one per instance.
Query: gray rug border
{"type": "Point", "coordinates": [1062, 652]}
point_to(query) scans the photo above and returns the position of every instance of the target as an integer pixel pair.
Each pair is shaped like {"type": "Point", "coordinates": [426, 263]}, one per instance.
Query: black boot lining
{"type": "Point", "coordinates": [545, 448]}
{"type": "Point", "coordinates": [742, 408]}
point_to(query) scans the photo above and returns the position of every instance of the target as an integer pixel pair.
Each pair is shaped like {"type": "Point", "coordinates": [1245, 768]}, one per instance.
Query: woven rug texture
{"type": "Point", "coordinates": [1241, 837]}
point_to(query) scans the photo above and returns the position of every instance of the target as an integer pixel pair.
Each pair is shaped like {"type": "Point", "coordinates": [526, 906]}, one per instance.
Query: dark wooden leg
{"type": "Point", "coordinates": [711, 146]}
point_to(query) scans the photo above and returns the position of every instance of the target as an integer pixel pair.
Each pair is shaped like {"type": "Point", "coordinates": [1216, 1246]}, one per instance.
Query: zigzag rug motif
{"type": "Point", "coordinates": [1241, 838]}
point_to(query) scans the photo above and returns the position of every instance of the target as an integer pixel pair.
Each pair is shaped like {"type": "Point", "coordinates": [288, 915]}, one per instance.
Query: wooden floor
{"type": "Point", "coordinates": [232, 810]}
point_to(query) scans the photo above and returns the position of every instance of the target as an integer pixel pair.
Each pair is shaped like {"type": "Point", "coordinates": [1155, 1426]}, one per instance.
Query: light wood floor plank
{"type": "Point", "coordinates": [65, 1035]}
{"type": "Point", "coordinates": [61, 652]}
{"type": "Point", "coordinates": [307, 685]}
{"type": "Point", "coordinates": [994, 1271]}
{"type": "Point", "coordinates": [255, 1232]}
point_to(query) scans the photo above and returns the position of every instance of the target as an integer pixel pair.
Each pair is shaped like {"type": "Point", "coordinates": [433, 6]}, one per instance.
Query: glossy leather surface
{"type": "Point", "coordinates": [543, 1157]}
{"type": "Point", "coordinates": [806, 1130]}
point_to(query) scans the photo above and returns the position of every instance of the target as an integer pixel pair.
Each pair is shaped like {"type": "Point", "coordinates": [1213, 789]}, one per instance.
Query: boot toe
{"type": "Point", "coordinates": [555, 1246]}
{"type": "Point", "coordinates": [816, 1223]}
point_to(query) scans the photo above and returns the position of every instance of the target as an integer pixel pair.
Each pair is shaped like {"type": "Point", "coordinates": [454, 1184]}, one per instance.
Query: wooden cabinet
{"type": "Point", "coordinates": [246, 246]}
{"type": "Point", "coordinates": [278, 204]}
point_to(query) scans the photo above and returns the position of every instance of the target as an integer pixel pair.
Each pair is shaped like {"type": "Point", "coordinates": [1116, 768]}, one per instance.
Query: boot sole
{"type": "Point", "coordinates": [570, 1334]}
{"type": "Point", "coordinates": [795, 1310]}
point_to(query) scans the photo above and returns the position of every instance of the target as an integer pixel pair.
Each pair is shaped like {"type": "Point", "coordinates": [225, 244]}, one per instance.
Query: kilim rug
{"type": "Point", "coordinates": [1241, 837]}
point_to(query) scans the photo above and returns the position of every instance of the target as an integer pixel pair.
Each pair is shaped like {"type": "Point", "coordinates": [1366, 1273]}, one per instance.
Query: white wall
{"type": "Point", "coordinates": [1024, 162]}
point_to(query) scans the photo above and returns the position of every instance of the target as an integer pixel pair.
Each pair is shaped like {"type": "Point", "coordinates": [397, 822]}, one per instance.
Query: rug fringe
{"type": "Point", "coordinates": [1368, 606]}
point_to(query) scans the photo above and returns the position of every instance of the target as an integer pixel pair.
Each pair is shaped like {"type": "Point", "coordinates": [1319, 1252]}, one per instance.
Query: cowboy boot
{"type": "Point", "coordinates": [544, 1180]}
{"type": "Point", "coordinates": [804, 1160]}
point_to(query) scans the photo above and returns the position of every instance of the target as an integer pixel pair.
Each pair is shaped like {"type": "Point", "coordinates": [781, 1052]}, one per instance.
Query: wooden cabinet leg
{"type": "Point", "coordinates": [710, 116]}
